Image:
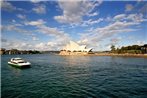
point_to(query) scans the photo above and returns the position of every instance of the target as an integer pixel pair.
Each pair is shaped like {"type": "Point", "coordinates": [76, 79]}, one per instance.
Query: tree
{"type": "Point", "coordinates": [112, 48]}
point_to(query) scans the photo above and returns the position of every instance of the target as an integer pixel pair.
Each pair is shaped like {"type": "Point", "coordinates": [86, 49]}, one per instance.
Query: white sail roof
{"type": "Point", "coordinates": [73, 46]}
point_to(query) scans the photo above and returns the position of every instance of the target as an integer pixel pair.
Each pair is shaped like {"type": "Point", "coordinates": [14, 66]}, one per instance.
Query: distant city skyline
{"type": "Point", "coordinates": [50, 25]}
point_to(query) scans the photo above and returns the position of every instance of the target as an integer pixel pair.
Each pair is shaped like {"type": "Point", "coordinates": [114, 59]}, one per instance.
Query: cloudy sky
{"type": "Point", "coordinates": [49, 25]}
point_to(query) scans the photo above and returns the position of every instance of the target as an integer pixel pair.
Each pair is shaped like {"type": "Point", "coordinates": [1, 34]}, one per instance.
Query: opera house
{"type": "Point", "coordinates": [74, 48]}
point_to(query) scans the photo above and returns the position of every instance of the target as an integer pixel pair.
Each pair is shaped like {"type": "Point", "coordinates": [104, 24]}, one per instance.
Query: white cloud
{"type": "Point", "coordinates": [11, 44]}
{"type": "Point", "coordinates": [116, 27]}
{"type": "Point", "coordinates": [42, 28]}
{"type": "Point", "coordinates": [35, 23]}
{"type": "Point", "coordinates": [49, 30]}
{"type": "Point", "coordinates": [130, 17]}
{"type": "Point", "coordinates": [73, 11]}
{"type": "Point", "coordinates": [13, 20]}
{"type": "Point", "coordinates": [17, 24]}
{"type": "Point", "coordinates": [91, 22]}
{"type": "Point", "coordinates": [51, 44]}
{"type": "Point", "coordinates": [21, 16]}
{"type": "Point", "coordinates": [119, 17]}
{"type": "Point", "coordinates": [40, 9]}
{"type": "Point", "coordinates": [129, 7]}
{"type": "Point", "coordinates": [41, 46]}
{"type": "Point", "coordinates": [114, 41]}
{"type": "Point", "coordinates": [35, 38]}
{"type": "Point", "coordinates": [140, 42]}
{"type": "Point", "coordinates": [85, 41]}
{"type": "Point", "coordinates": [93, 14]}
{"type": "Point", "coordinates": [90, 29]}
{"type": "Point", "coordinates": [101, 34]}
{"type": "Point", "coordinates": [136, 17]}
{"type": "Point", "coordinates": [58, 34]}
{"type": "Point", "coordinates": [7, 6]}
{"type": "Point", "coordinates": [27, 45]}
{"type": "Point", "coordinates": [59, 37]}
{"type": "Point", "coordinates": [108, 19]}
{"type": "Point", "coordinates": [15, 29]}
{"type": "Point", "coordinates": [35, 1]}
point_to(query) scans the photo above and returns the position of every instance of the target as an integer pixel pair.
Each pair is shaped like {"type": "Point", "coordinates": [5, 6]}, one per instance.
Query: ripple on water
{"type": "Point", "coordinates": [75, 77]}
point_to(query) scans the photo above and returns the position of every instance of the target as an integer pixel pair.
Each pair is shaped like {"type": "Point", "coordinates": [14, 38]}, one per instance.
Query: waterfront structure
{"type": "Point", "coordinates": [144, 49]}
{"type": "Point", "coordinates": [2, 51]}
{"type": "Point", "coordinates": [74, 48]}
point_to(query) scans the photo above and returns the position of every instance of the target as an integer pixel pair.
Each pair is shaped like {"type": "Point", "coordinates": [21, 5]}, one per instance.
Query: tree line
{"type": "Point", "coordinates": [15, 51]}
{"type": "Point", "coordinates": [134, 49]}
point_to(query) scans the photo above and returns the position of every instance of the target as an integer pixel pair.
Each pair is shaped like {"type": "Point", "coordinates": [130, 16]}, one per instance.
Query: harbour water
{"type": "Point", "coordinates": [54, 76]}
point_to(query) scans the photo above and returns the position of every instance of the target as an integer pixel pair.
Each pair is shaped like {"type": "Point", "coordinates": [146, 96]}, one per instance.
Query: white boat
{"type": "Point", "coordinates": [19, 62]}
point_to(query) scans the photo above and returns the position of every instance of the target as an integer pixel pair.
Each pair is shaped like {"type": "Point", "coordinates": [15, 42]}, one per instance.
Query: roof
{"type": "Point", "coordinates": [73, 46]}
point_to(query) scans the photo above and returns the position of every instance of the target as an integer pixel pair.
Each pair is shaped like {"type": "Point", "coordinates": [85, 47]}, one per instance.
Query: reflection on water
{"type": "Point", "coordinates": [53, 76]}
{"type": "Point", "coordinates": [15, 71]}
{"type": "Point", "coordinates": [76, 60]}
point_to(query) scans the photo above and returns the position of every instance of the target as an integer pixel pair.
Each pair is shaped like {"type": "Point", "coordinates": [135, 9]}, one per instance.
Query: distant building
{"type": "Point", "coordinates": [2, 51]}
{"type": "Point", "coordinates": [13, 51]}
{"type": "Point", "coordinates": [144, 48]}
{"type": "Point", "coordinates": [74, 48]}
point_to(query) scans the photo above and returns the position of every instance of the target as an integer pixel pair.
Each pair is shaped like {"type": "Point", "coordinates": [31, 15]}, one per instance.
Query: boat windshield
{"type": "Point", "coordinates": [17, 59]}
{"type": "Point", "coordinates": [21, 62]}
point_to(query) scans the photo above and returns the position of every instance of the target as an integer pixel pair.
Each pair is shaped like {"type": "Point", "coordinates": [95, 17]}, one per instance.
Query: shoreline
{"type": "Point", "coordinates": [123, 55]}
{"type": "Point", "coordinates": [94, 54]}
{"type": "Point", "coordinates": [108, 54]}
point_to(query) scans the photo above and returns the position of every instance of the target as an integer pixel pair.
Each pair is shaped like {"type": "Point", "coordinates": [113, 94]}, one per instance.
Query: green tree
{"type": "Point", "coordinates": [112, 48]}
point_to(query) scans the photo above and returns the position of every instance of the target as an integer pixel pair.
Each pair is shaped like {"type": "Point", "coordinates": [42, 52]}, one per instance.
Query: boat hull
{"type": "Point", "coordinates": [19, 66]}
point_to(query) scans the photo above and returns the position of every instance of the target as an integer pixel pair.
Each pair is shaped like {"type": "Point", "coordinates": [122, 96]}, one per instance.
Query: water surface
{"type": "Point", "coordinates": [54, 76]}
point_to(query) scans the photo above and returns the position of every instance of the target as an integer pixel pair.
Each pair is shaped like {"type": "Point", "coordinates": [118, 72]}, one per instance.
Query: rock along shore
{"type": "Point", "coordinates": [100, 54]}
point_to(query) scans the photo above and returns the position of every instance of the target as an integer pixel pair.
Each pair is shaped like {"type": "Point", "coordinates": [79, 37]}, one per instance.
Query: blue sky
{"type": "Point", "coordinates": [49, 25]}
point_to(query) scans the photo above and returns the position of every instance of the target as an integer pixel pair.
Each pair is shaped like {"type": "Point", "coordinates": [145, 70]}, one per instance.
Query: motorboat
{"type": "Point", "coordinates": [19, 62]}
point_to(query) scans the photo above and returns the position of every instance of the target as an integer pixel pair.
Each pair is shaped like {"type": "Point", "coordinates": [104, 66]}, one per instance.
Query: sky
{"type": "Point", "coordinates": [50, 25]}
